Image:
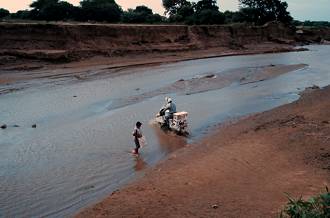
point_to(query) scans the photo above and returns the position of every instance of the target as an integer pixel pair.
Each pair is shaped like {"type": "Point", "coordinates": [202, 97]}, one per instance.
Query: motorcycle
{"type": "Point", "coordinates": [178, 122]}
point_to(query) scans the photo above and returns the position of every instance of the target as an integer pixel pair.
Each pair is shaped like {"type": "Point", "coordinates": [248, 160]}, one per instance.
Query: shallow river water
{"type": "Point", "coordinates": [79, 152]}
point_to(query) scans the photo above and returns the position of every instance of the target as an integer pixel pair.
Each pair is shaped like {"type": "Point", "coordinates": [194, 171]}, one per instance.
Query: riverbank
{"type": "Point", "coordinates": [80, 51]}
{"type": "Point", "coordinates": [243, 169]}
{"type": "Point", "coordinates": [65, 42]}
{"type": "Point", "coordinates": [92, 68]}
{"type": "Point", "coordinates": [63, 50]}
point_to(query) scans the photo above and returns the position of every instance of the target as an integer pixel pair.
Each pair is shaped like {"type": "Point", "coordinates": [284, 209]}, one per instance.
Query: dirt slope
{"type": "Point", "coordinates": [66, 42]}
{"type": "Point", "coordinates": [242, 170]}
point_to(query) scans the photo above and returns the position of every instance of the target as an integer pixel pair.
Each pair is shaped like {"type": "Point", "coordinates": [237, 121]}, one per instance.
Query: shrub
{"type": "Point", "coordinates": [315, 207]}
{"type": "Point", "coordinates": [3, 13]}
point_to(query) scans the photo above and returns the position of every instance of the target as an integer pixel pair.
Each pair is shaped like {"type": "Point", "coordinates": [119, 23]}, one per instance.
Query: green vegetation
{"type": "Point", "coordinates": [141, 14]}
{"type": "Point", "coordinates": [263, 11]}
{"type": "Point", "coordinates": [202, 12]}
{"type": "Point", "coordinates": [315, 207]}
{"type": "Point", "coordinates": [256, 12]}
{"type": "Point", "coordinates": [50, 10]}
{"type": "Point", "coordinates": [308, 23]}
{"type": "Point", "coordinates": [3, 13]}
{"type": "Point", "coordinates": [100, 10]}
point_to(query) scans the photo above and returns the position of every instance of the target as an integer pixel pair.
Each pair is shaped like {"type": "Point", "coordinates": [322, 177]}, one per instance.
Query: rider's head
{"type": "Point", "coordinates": [169, 100]}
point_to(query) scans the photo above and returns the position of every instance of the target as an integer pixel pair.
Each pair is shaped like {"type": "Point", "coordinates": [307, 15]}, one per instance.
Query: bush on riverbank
{"type": "Point", "coordinates": [315, 207]}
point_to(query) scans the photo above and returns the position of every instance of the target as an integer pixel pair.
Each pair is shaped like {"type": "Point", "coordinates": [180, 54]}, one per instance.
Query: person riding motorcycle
{"type": "Point", "coordinates": [168, 110]}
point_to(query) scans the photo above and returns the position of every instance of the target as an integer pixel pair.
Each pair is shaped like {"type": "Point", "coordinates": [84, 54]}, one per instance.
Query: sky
{"type": "Point", "coordinates": [299, 9]}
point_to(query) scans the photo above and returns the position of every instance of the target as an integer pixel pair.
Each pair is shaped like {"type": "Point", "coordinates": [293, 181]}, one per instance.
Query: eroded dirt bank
{"type": "Point", "coordinates": [32, 46]}
{"type": "Point", "coordinates": [62, 50]}
{"type": "Point", "coordinates": [242, 170]}
{"type": "Point", "coordinates": [56, 41]}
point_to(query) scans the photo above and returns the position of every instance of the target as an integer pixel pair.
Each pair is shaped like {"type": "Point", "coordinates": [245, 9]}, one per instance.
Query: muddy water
{"type": "Point", "coordinates": [79, 152]}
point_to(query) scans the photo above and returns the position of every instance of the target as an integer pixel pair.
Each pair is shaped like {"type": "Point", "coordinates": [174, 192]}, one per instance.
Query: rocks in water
{"type": "Point", "coordinates": [203, 76]}
{"type": "Point", "coordinates": [314, 87]}
{"type": "Point", "coordinates": [310, 89]}
{"type": "Point", "coordinates": [34, 126]}
{"type": "Point", "coordinates": [4, 126]}
{"type": "Point", "coordinates": [210, 76]}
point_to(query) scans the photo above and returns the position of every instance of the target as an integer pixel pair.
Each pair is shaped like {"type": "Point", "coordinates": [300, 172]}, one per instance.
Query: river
{"type": "Point", "coordinates": [79, 152]}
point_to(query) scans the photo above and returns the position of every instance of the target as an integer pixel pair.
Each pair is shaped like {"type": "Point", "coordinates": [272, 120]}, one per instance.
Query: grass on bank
{"type": "Point", "coordinates": [315, 207]}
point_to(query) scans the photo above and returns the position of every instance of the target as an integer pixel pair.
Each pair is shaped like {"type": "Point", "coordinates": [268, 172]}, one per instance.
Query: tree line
{"type": "Point", "coordinates": [257, 12]}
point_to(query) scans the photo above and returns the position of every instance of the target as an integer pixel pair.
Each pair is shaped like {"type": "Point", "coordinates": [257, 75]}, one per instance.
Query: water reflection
{"type": "Point", "coordinates": [168, 140]}
{"type": "Point", "coordinates": [140, 164]}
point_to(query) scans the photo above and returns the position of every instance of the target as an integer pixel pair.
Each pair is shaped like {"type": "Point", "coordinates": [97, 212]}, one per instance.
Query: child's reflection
{"type": "Point", "coordinates": [140, 164]}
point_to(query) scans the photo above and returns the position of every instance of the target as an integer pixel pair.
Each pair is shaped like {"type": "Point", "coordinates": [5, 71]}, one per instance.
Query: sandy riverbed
{"type": "Point", "coordinates": [25, 70]}
{"type": "Point", "coordinates": [244, 168]}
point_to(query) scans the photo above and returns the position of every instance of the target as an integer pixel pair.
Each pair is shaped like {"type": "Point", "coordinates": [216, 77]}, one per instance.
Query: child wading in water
{"type": "Point", "coordinates": [137, 135]}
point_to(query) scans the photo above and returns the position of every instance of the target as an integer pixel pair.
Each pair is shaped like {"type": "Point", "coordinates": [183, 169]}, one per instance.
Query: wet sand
{"type": "Point", "coordinates": [22, 70]}
{"type": "Point", "coordinates": [242, 170]}
{"type": "Point", "coordinates": [213, 81]}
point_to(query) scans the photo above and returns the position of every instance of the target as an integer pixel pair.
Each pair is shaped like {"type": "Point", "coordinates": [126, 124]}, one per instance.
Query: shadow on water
{"type": "Point", "coordinates": [168, 141]}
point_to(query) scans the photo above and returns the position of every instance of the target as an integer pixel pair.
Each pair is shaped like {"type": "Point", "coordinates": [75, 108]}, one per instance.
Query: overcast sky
{"type": "Point", "coordinates": [300, 9]}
